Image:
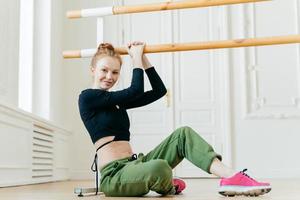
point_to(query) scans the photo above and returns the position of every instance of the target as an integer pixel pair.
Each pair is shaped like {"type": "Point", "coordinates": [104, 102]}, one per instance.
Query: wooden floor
{"type": "Point", "coordinates": [197, 189]}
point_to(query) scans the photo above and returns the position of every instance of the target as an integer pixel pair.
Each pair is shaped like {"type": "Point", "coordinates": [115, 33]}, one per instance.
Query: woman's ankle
{"type": "Point", "coordinates": [219, 169]}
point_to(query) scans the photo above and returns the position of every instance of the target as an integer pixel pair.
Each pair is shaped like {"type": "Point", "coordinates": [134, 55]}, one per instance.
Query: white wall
{"type": "Point", "coordinates": [9, 51]}
{"type": "Point", "coordinates": [265, 91]}
{"type": "Point", "coordinates": [9, 55]}
{"type": "Point", "coordinates": [58, 76]}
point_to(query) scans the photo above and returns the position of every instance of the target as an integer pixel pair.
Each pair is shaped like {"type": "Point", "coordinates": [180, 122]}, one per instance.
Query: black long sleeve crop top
{"type": "Point", "coordinates": [104, 112]}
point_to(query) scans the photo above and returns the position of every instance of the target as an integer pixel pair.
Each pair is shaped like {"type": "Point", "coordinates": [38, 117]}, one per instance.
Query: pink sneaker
{"type": "Point", "coordinates": [242, 184]}
{"type": "Point", "coordinates": [179, 185]}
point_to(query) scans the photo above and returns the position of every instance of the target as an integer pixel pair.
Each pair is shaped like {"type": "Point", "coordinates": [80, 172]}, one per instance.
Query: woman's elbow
{"type": "Point", "coordinates": [163, 92]}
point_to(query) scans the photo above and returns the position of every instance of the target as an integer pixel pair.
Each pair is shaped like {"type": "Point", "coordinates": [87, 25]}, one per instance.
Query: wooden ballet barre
{"type": "Point", "coordinates": [276, 40]}
{"type": "Point", "coordinates": [117, 10]}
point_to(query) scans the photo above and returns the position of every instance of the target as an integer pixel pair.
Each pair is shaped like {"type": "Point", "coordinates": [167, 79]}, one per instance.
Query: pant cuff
{"type": "Point", "coordinates": [211, 157]}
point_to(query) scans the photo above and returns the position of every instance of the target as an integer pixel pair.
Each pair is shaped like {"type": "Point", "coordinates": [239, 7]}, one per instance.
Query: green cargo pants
{"type": "Point", "coordinates": [127, 177]}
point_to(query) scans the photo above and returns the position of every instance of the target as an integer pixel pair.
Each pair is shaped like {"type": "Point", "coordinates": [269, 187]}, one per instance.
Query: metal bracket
{"type": "Point", "coordinates": [81, 191]}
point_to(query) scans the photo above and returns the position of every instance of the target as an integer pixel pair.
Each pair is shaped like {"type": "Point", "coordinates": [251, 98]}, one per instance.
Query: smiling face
{"type": "Point", "coordinates": [106, 73]}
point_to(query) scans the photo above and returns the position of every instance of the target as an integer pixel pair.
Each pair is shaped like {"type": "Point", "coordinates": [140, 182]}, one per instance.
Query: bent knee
{"type": "Point", "coordinates": [185, 131]}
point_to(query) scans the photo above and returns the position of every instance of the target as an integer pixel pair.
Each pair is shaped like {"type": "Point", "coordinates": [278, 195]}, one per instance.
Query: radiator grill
{"type": "Point", "coordinates": [42, 152]}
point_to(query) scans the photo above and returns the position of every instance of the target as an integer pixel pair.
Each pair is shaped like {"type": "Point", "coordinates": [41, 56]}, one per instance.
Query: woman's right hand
{"type": "Point", "coordinates": [135, 50]}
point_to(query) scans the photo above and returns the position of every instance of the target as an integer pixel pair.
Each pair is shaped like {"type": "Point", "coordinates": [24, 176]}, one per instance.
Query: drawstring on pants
{"type": "Point", "coordinates": [94, 166]}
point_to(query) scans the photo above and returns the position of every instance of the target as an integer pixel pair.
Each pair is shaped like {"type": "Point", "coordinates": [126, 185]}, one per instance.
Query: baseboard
{"type": "Point", "coordinates": [82, 174]}
{"type": "Point", "coordinates": [291, 173]}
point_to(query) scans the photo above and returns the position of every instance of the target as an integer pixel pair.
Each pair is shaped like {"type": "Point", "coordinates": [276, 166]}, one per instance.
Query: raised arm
{"type": "Point", "coordinates": [97, 98]}
{"type": "Point", "coordinates": [158, 88]}
{"type": "Point", "coordinates": [102, 98]}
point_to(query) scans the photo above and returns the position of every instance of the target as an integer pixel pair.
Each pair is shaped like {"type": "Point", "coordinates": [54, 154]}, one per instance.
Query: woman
{"type": "Point", "coordinates": [123, 173]}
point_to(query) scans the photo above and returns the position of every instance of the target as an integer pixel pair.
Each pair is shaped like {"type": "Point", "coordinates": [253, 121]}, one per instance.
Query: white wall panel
{"type": "Point", "coordinates": [198, 79]}
{"type": "Point", "coordinates": [16, 147]}
{"type": "Point", "coordinates": [265, 85]}
{"type": "Point", "coordinates": [27, 149]}
{"type": "Point", "coordinates": [273, 71]}
{"type": "Point", "coordinates": [197, 117]}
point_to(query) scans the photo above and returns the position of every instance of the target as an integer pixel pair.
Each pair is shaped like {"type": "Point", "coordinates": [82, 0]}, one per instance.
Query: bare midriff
{"type": "Point", "coordinates": [112, 151]}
